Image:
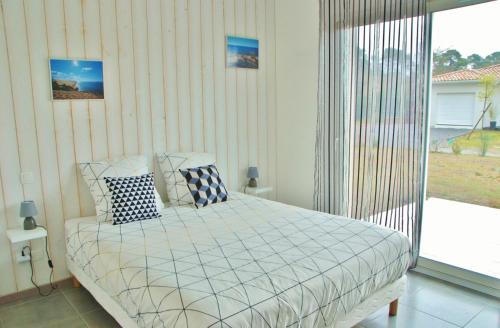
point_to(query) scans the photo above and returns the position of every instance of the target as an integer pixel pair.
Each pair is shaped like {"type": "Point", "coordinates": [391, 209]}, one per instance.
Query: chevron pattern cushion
{"type": "Point", "coordinates": [205, 185]}
{"type": "Point", "coordinates": [133, 198]}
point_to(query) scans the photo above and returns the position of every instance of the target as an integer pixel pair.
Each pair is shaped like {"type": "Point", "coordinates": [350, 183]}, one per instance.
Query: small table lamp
{"type": "Point", "coordinates": [28, 211]}
{"type": "Point", "coordinates": [252, 174]}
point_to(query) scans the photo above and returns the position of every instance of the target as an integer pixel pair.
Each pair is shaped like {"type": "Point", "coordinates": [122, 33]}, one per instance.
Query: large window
{"type": "Point", "coordinates": [461, 220]}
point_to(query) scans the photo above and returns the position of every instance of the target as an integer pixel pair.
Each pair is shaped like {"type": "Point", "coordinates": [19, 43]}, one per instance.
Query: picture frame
{"type": "Point", "coordinates": [76, 79]}
{"type": "Point", "coordinates": [242, 52]}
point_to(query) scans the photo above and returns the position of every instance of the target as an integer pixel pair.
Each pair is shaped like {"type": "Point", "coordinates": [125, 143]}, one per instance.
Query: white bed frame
{"type": "Point", "coordinates": [387, 294]}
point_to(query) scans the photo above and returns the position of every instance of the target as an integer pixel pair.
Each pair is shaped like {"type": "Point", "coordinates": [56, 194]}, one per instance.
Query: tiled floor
{"type": "Point", "coordinates": [431, 303]}
{"type": "Point", "coordinates": [67, 307]}
{"type": "Point", "coordinates": [427, 303]}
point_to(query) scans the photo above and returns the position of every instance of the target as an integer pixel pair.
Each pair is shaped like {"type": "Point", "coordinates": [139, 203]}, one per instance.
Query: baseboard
{"type": "Point", "coordinates": [32, 291]}
{"type": "Point", "coordinates": [458, 276]}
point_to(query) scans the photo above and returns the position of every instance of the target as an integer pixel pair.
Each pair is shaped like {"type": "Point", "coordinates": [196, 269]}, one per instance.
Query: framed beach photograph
{"type": "Point", "coordinates": [242, 52]}
{"type": "Point", "coordinates": [76, 79]}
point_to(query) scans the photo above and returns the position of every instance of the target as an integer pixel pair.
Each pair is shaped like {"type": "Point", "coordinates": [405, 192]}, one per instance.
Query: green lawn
{"type": "Point", "coordinates": [475, 140]}
{"type": "Point", "coordinates": [465, 178]}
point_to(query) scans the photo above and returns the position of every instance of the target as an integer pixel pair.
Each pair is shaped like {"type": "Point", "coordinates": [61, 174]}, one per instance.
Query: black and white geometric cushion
{"type": "Point", "coordinates": [94, 172]}
{"type": "Point", "coordinates": [205, 185]}
{"type": "Point", "coordinates": [133, 198]}
{"type": "Point", "coordinates": [170, 164]}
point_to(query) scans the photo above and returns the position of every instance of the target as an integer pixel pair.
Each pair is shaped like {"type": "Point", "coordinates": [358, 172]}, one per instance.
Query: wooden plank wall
{"type": "Point", "coordinates": [166, 88]}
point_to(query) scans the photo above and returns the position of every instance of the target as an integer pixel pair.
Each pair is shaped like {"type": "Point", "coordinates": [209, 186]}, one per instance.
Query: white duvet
{"type": "Point", "coordinates": [248, 262]}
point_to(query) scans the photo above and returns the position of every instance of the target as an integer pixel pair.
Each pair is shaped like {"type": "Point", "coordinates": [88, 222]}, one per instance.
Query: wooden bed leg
{"type": "Point", "coordinates": [75, 281]}
{"type": "Point", "coordinates": [393, 308]}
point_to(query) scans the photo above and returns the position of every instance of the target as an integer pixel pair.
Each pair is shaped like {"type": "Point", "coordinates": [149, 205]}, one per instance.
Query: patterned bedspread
{"type": "Point", "coordinates": [248, 262]}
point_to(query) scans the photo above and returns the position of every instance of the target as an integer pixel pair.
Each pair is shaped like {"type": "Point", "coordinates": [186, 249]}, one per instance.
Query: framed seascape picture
{"type": "Point", "coordinates": [242, 52]}
{"type": "Point", "coordinates": [76, 79]}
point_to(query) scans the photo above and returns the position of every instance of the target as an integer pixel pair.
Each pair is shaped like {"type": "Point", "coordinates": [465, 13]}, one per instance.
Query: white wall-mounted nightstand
{"type": "Point", "coordinates": [20, 240]}
{"type": "Point", "coordinates": [19, 235]}
{"type": "Point", "coordinates": [257, 191]}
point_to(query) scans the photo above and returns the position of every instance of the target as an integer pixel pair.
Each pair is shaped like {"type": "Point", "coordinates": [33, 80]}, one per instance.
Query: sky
{"type": "Point", "coordinates": [76, 70]}
{"type": "Point", "coordinates": [472, 29]}
{"type": "Point", "coordinates": [242, 42]}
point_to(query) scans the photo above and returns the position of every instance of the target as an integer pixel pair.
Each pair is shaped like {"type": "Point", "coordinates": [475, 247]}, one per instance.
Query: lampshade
{"type": "Point", "coordinates": [28, 208]}
{"type": "Point", "coordinates": [252, 172]}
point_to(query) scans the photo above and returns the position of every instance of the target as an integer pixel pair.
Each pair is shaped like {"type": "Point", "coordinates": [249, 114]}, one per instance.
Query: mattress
{"type": "Point", "coordinates": [248, 262]}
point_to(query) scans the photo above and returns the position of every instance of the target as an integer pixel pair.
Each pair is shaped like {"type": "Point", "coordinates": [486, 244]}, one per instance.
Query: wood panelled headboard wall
{"type": "Point", "coordinates": [166, 88]}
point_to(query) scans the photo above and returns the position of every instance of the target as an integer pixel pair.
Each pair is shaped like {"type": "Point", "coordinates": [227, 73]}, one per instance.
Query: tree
{"type": "Point", "coordinates": [488, 84]}
{"type": "Point", "coordinates": [475, 61]}
{"type": "Point", "coordinates": [394, 60]}
{"type": "Point", "coordinates": [492, 59]}
{"type": "Point", "coordinates": [448, 61]}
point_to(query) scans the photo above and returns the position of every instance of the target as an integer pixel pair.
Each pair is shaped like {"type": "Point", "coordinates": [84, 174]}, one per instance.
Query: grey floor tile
{"type": "Point", "coordinates": [416, 281]}
{"type": "Point", "coordinates": [452, 305]}
{"type": "Point", "coordinates": [75, 322]}
{"type": "Point", "coordinates": [489, 317]}
{"type": "Point", "coordinates": [28, 299]}
{"type": "Point", "coordinates": [36, 313]}
{"type": "Point", "coordinates": [81, 300]}
{"type": "Point", "coordinates": [406, 318]}
{"type": "Point", "coordinates": [494, 303]}
{"type": "Point", "coordinates": [422, 281]}
{"type": "Point", "coordinates": [98, 319]}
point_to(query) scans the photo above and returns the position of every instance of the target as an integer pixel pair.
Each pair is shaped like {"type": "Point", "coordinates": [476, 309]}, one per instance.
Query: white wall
{"type": "Point", "coordinates": [462, 87]}
{"type": "Point", "coordinates": [297, 34]}
{"type": "Point", "coordinates": [166, 88]}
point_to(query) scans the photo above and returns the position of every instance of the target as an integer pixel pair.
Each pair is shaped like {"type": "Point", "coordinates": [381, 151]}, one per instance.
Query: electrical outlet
{"type": "Point", "coordinates": [22, 259]}
{"type": "Point", "coordinates": [18, 253]}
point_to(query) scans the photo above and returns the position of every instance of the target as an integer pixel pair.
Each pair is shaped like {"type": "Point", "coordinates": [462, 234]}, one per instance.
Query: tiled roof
{"type": "Point", "coordinates": [468, 74]}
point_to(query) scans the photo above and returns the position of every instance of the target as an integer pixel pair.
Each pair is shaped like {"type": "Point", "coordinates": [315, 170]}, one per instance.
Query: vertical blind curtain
{"type": "Point", "coordinates": [373, 81]}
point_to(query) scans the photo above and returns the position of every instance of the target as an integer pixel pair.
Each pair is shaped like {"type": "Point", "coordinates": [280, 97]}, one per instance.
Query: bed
{"type": "Point", "coordinates": [247, 262]}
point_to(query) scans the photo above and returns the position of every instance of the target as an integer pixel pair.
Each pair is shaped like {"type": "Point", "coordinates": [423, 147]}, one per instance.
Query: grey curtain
{"type": "Point", "coordinates": [372, 116]}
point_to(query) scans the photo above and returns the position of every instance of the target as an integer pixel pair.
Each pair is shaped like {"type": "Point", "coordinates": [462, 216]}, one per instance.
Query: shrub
{"type": "Point", "coordinates": [485, 141]}
{"type": "Point", "coordinates": [434, 146]}
{"type": "Point", "coordinates": [456, 147]}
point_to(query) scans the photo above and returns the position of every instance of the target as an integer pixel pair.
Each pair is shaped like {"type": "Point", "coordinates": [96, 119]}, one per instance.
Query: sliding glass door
{"type": "Point", "coordinates": [461, 218]}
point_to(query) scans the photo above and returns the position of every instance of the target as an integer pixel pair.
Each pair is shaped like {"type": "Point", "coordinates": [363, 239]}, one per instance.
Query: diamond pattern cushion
{"type": "Point", "coordinates": [170, 164]}
{"type": "Point", "coordinates": [94, 172]}
{"type": "Point", "coordinates": [133, 198]}
{"type": "Point", "coordinates": [205, 185]}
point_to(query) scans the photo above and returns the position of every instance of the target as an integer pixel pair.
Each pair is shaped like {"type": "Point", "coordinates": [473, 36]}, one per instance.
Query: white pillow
{"type": "Point", "coordinates": [170, 164]}
{"type": "Point", "coordinates": [94, 173]}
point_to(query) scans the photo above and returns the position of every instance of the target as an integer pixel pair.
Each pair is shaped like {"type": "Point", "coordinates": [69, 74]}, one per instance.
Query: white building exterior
{"type": "Point", "coordinates": [455, 102]}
